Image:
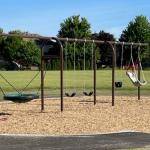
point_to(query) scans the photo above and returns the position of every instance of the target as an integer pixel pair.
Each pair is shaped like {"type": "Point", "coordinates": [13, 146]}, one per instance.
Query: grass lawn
{"type": "Point", "coordinates": [73, 81]}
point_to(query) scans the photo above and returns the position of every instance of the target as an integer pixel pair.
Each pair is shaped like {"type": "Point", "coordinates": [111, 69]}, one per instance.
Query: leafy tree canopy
{"type": "Point", "coordinates": [75, 27]}
{"type": "Point", "coordinates": [1, 30]}
{"type": "Point", "coordinates": [137, 30]}
{"type": "Point", "coordinates": [25, 52]}
{"type": "Point", "coordinates": [105, 50]}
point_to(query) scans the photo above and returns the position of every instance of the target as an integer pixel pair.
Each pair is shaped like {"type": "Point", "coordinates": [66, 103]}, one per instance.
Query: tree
{"type": "Point", "coordinates": [137, 30]}
{"type": "Point", "coordinates": [22, 51]}
{"type": "Point", "coordinates": [10, 47]}
{"type": "Point", "coordinates": [105, 50]}
{"type": "Point", "coordinates": [76, 27]}
{"type": "Point", "coordinates": [17, 32]}
{"type": "Point", "coordinates": [1, 40]}
{"type": "Point", "coordinates": [28, 54]}
{"type": "Point", "coordinates": [1, 30]}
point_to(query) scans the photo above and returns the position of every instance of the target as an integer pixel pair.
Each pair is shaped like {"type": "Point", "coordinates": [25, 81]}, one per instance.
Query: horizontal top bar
{"type": "Point", "coordinates": [25, 36]}
{"type": "Point", "coordinates": [101, 42]}
{"type": "Point", "coordinates": [74, 39]}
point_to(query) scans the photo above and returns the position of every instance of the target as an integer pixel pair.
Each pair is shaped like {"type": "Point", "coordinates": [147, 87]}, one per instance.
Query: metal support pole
{"type": "Point", "coordinates": [61, 75]}
{"type": "Point", "coordinates": [139, 89]}
{"type": "Point", "coordinates": [61, 72]}
{"type": "Point", "coordinates": [113, 73]}
{"type": "Point", "coordinates": [42, 80]}
{"type": "Point", "coordinates": [94, 81]}
{"type": "Point", "coordinates": [139, 76]}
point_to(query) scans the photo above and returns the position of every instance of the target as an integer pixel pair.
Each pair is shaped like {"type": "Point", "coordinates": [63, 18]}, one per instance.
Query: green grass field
{"type": "Point", "coordinates": [73, 81]}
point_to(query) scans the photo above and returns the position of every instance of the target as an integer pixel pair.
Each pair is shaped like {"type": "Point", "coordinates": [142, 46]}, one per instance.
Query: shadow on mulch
{"type": "Point", "coordinates": [103, 102]}
{"type": "Point", "coordinates": [4, 114]}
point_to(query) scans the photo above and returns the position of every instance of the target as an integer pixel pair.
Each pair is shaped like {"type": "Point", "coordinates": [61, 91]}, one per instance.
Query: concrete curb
{"type": "Point", "coordinates": [77, 135]}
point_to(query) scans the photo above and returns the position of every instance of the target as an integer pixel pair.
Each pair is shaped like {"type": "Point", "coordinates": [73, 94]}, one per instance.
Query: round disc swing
{"type": "Point", "coordinates": [19, 96]}
{"type": "Point", "coordinates": [119, 84]}
{"type": "Point", "coordinates": [90, 93]}
{"type": "Point", "coordinates": [22, 96]}
{"type": "Point", "coordinates": [72, 94]}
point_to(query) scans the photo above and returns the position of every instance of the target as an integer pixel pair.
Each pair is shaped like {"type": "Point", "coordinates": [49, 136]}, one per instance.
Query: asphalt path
{"type": "Point", "coordinates": [125, 140]}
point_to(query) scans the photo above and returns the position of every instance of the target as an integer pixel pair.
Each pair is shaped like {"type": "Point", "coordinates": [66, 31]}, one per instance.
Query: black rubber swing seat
{"type": "Point", "coordinates": [118, 84]}
{"type": "Point", "coordinates": [88, 94]}
{"type": "Point", "coordinates": [70, 95]}
{"type": "Point", "coordinates": [20, 97]}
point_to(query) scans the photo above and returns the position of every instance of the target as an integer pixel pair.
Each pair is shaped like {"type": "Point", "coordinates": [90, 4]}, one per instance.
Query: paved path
{"type": "Point", "coordinates": [89, 142]}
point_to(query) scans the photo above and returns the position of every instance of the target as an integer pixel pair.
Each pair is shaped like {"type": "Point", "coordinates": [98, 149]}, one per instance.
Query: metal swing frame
{"type": "Point", "coordinates": [59, 41]}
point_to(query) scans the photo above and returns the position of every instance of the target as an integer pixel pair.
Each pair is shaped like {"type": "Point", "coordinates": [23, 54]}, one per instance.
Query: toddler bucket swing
{"type": "Point", "coordinates": [119, 84]}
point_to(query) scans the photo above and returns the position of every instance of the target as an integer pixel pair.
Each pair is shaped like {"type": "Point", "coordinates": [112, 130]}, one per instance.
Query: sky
{"type": "Point", "coordinates": [44, 16]}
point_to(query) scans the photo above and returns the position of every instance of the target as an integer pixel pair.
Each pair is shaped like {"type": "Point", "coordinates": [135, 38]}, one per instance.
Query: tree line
{"type": "Point", "coordinates": [27, 52]}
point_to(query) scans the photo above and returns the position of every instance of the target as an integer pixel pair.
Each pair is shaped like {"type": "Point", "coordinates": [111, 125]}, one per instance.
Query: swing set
{"type": "Point", "coordinates": [69, 93]}
{"type": "Point", "coordinates": [57, 51]}
{"type": "Point", "coordinates": [132, 68]}
{"type": "Point", "coordinates": [132, 73]}
{"type": "Point", "coordinates": [85, 92]}
{"type": "Point", "coordinates": [19, 96]}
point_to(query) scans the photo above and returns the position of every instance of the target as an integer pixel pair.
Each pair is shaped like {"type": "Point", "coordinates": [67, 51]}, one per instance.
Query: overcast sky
{"type": "Point", "coordinates": [44, 16]}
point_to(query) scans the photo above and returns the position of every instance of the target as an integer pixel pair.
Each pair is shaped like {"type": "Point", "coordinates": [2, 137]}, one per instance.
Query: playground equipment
{"type": "Point", "coordinates": [59, 55]}
{"type": "Point", "coordinates": [19, 96]}
{"type": "Point", "coordinates": [72, 94]}
{"type": "Point", "coordinates": [133, 74]}
{"type": "Point", "coordinates": [85, 92]}
{"type": "Point", "coordinates": [90, 93]}
{"type": "Point", "coordinates": [119, 84]}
